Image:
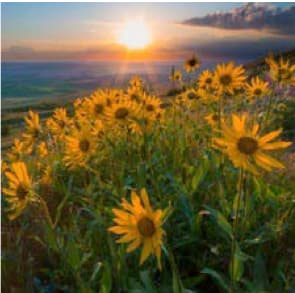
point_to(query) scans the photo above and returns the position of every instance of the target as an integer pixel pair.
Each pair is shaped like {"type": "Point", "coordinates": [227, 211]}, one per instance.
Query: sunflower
{"type": "Point", "coordinates": [80, 146]}
{"type": "Point", "coordinates": [281, 71]}
{"type": "Point", "coordinates": [212, 119]}
{"type": "Point", "coordinates": [33, 128]}
{"type": "Point", "coordinates": [151, 107]}
{"type": "Point", "coordinates": [227, 78]}
{"type": "Point", "coordinates": [58, 123]}
{"type": "Point", "coordinates": [42, 149]}
{"type": "Point", "coordinates": [122, 113]}
{"type": "Point", "coordinates": [192, 64]}
{"type": "Point", "coordinates": [134, 94]}
{"type": "Point", "coordinates": [189, 97]}
{"type": "Point", "coordinates": [243, 146]}
{"type": "Point", "coordinates": [139, 224]}
{"type": "Point", "coordinates": [205, 80]}
{"type": "Point", "coordinates": [257, 88]}
{"type": "Point", "coordinates": [19, 192]}
{"type": "Point", "coordinates": [175, 75]}
{"type": "Point", "coordinates": [96, 105]}
{"type": "Point", "coordinates": [17, 150]}
{"type": "Point", "coordinates": [136, 82]}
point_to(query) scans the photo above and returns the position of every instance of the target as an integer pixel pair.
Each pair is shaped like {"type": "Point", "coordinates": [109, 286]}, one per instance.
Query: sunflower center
{"type": "Point", "coordinates": [247, 145]}
{"type": "Point", "coordinates": [284, 73]}
{"type": "Point", "coordinates": [21, 192]}
{"type": "Point", "coordinates": [98, 108]}
{"type": "Point", "coordinates": [215, 117]}
{"type": "Point", "coordinates": [208, 80]}
{"type": "Point", "coordinates": [150, 107]}
{"type": "Point", "coordinates": [225, 79]}
{"type": "Point", "coordinates": [84, 145]}
{"type": "Point", "coordinates": [36, 133]}
{"type": "Point", "coordinates": [192, 62]}
{"type": "Point", "coordinates": [121, 113]}
{"type": "Point", "coordinates": [257, 92]}
{"type": "Point", "coordinates": [135, 97]}
{"type": "Point", "coordinates": [146, 227]}
{"type": "Point", "coordinates": [61, 123]}
{"type": "Point", "coordinates": [192, 96]}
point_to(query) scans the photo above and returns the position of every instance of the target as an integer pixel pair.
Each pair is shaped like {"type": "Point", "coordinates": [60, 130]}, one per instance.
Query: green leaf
{"type": "Point", "coordinates": [220, 280]}
{"type": "Point", "coordinates": [197, 177]}
{"type": "Point", "coordinates": [259, 273]}
{"type": "Point", "coordinates": [95, 272]}
{"type": "Point", "coordinates": [236, 267]}
{"type": "Point", "coordinates": [221, 221]}
{"type": "Point", "coordinates": [106, 280]}
{"type": "Point", "coordinates": [146, 280]}
{"type": "Point", "coordinates": [73, 254]}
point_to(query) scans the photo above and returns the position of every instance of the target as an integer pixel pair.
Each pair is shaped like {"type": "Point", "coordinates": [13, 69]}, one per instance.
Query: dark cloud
{"type": "Point", "coordinates": [251, 16]}
{"type": "Point", "coordinates": [243, 48]}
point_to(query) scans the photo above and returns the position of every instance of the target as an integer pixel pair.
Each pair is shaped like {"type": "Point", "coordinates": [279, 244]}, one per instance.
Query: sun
{"type": "Point", "coordinates": [134, 34]}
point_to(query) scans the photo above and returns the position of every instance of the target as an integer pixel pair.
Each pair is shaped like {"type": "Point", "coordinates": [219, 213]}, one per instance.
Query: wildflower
{"type": "Point", "coordinates": [135, 94]}
{"type": "Point", "coordinates": [17, 150]}
{"type": "Point", "coordinates": [58, 123]}
{"type": "Point", "coordinates": [175, 75]}
{"type": "Point", "coordinates": [139, 224]}
{"type": "Point", "coordinates": [257, 88]}
{"type": "Point", "coordinates": [33, 128]}
{"type": "Point", "coordinates": [122, 112]}
{"type": "Point", "coordinates": [151, 106]}
{"type": "Point", "coordinates": [192, 64]}
{"type": "Point", "coordinates": [228, 78]}
{"type": "Point", "coordinates": [136, 82]}
{"type": "Point", "coordinates": [96, 105]}
{"type": "Point", "coordinates": [80, 146]}
{"type": "Point", "coordinates": [205, 79]}
{"type": "Point", "coordinates": [212, 119]}
{"type": "Point", "coordinates": [18, 194]}
{"type": "Point", "coordinates": [243, 146]}
{"type": "Point", "coordinates": [42, 150]}
{"type": "Point", "coordinates": [281, 71]}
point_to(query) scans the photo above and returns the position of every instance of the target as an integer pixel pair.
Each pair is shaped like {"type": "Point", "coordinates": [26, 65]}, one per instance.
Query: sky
{"type": "Point", "coordinates": [93, 31]}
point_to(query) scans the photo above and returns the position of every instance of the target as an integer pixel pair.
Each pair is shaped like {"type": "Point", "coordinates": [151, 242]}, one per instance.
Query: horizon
{"type": "Point", "coordinates": [144, 32]}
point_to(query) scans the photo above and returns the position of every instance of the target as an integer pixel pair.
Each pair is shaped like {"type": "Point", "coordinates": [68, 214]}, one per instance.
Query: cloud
{"type": "Point", "coordinates": [251, 16]}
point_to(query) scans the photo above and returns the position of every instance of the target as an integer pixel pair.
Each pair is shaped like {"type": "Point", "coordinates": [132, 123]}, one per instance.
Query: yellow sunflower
{"type": "Point", "coordinates": [244, 146]}
{"type": "Point", "coordinates": [257, 88]}
{"type": "Point", "coordinates": [136, 82]}
{"type": "Point", "coordinates": [175, 75]}
{"type": "Point", "coordinates": [212, 119]}
{"type": "Point", "coordinates": [151, 106]}
{"type": "Point", "coordinates": [19, 191]}
{"type": "Point", "coordinates": [189, 97]}
{"type": "Point", "coordinates": [58, 123]}
{"type": "Point", "coordinates": [42, 149]}
{"type": "Point", "coordinates": [227, 78]}
{"type": "Point", "coordinates": [122, 113]}
{"type": "Point", "coordinates": [80, 146]}
{"type": "Point", "coordinates": [96, 105]}
{"type": "Point", "coordinates": [17, 150]}
{"type": "Point", "coordinates": [192, 64]}
{"type": "Point", "coordinates": [139, 224]}
{"type": "Point", "coordinates": [281, 71]}
{"type": "Point", "coordinates": [33, 128]}
{"type": "Point", "coordinates": [135, 94]}
{"type": "Point", "coordinates": [205, 80]}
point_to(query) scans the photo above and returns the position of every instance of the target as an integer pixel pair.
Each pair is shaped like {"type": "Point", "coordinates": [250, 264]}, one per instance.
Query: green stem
{"type": "Point", "coordinates": [235, 227]}
{"type": "Point", "coordinates": [177, 284]}
{"type": "Point", "coordinates": [46, 212]}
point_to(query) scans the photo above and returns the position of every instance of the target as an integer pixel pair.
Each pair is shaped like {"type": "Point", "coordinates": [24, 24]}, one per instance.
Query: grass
{"type": "Point", "coordinates": [226, 230]}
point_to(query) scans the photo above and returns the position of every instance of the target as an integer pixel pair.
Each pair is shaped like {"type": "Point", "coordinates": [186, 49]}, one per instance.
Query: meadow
{"type": "Point", "coordinates": [124, 191]}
